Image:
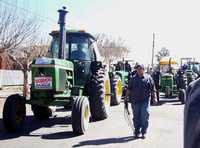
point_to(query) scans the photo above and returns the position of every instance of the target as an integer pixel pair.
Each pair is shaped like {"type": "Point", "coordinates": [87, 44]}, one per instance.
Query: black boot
{"type": "Point", "coordinates": [136, 134]}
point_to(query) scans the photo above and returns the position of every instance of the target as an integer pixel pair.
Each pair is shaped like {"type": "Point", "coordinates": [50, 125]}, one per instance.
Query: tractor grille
{"type": "Point", "coordinates": [62, 79]}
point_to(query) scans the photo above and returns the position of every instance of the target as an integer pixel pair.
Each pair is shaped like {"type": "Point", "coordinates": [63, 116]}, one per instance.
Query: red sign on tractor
{"type": "Point", "coordinates": [43, 82]}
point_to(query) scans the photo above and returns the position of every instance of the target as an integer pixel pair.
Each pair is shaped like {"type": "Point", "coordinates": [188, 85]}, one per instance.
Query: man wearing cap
{"type": "Point", "coordinates": [140, 89]}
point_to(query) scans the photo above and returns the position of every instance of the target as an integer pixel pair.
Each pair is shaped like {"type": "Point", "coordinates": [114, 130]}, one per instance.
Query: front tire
{"type": "Point", "coordinates": [80, 115]}
{"type": "Point", "coordinates": [14, 113]}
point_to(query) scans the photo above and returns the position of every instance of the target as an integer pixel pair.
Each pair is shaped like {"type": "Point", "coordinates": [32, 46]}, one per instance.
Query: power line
{"type": "Point", "coordinates": [42, 18]}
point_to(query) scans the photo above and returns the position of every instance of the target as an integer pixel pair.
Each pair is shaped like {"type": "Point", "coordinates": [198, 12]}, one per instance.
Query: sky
{"type": "Point", "coordinates": [175, 22]}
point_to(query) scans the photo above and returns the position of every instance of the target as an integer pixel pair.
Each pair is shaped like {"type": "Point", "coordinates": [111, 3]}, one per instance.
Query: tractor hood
{"type": "Point", "coordinates": [65, 64]}
{"type": "Point", "coordinates": [49, 74]}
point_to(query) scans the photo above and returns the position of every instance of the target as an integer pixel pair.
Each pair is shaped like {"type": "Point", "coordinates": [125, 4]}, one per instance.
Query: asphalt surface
{"type": "Point", "coordinates": [165, 130]}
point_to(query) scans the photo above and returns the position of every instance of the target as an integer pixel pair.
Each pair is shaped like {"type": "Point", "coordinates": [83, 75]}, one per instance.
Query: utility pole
{"type": "Point", "coordinates": [153, 47]}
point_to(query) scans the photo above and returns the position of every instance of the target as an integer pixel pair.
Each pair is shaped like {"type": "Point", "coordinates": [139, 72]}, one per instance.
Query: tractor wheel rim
{"type": "Point", "coordinates": [119, 88]}
{"type": "Point", "coordinates": [86, 113]}
{"type": "Point", "coordinates": [107, 92]}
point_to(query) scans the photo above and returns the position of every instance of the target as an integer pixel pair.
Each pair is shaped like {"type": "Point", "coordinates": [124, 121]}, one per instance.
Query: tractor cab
{"type": "Point", "coordinates": [81, 49]}
{"type": "Point", "coordinates": [72, 76]}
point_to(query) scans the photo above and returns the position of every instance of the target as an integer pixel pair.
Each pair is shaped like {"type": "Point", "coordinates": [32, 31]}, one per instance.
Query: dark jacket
{"type": "Point", "coordinates": [140, 88]}
{"type": "Point", "coordinates": [156, 77]}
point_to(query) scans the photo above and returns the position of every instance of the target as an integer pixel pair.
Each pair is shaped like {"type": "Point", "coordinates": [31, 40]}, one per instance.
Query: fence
{"type": "Point", "coordinates": [12, 77]}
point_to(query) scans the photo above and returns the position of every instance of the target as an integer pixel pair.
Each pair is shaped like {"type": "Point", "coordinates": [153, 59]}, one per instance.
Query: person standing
{"type": "Point", "coordinates": [127, 67]}
{"type": "Point", "coordinates": [79, 53]}
{"type": "Point", "coordinates": [140, 89]}
{"type": "Point", "coordinates": [156, 75]}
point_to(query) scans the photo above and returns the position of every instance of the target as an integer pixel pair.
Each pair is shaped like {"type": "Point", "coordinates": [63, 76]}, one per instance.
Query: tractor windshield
{"type": "Point", "coordinates": [55, 48]}
{"type": "Point", "coordinates": [79, 46]}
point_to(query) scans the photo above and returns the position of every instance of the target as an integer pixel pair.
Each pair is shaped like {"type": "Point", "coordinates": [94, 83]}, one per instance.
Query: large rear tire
{"type": "Point", "coordinates": [116, 90]}
{"type": "Point", "coordinates": [80, 115]}
{"type": "Point", "coordinates": [41, 112]}
{"type": "Point", "coordinates": [99, 95]}
{"type": "Point", "coordinates": [14, 113]}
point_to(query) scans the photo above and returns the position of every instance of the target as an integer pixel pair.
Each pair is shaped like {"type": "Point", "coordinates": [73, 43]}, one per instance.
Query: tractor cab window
{"type": "Point", "coordinates": [79, 52]}
{"type": "Point", "coordinates": [80, 48]}
{"type": "Point", "coordinates": [54, 50]}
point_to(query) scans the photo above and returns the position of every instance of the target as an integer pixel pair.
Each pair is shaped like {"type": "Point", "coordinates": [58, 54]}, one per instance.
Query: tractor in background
{"type": "Point", "coordinates": [191, 69]}
{"type": "Point", "coordinates": [73, 75]}
{"type": "Point", "coordinates": [173, 82]}
{"type": "Point", "coordinates": [122, 70]}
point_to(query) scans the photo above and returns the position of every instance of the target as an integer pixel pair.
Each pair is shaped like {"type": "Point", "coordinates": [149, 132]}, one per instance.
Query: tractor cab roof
{"type": "Point", "coordinates": [167, 61]}
{"type": "Point", "coordinates": [73, 32]}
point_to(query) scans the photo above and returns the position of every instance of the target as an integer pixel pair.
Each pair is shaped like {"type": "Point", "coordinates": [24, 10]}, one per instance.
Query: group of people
{"type": "Point", "coordinates": [142, 90]}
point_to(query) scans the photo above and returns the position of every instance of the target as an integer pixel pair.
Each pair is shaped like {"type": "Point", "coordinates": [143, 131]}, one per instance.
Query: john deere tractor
{"type": "Point", "coordinates": [119, 74]}
{"type": "Point", "coordinates": [73, 76]}
{"type": "Point", "coordinates": [173, 82]}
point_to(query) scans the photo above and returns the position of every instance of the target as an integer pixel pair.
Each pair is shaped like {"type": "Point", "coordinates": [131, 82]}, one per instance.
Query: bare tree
{"type": "Point", "coordinates": [15, 31]}
{"type": "Point", "coordinates": [18, 40]}
{"type": "Point", "coordinates": [24, 58]}
{"type": "Point", "coordinates": [111, 49]}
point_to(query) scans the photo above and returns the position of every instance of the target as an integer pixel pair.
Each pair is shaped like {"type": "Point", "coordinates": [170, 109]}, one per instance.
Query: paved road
{"type": "Point", "coordinates": [165, 131]}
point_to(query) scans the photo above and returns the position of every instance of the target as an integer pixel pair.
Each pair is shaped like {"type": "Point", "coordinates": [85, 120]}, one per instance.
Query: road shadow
{"type": "Point", "coordinates": [178, 104]}
{"type": "Point", "coordinates": [59, 135]}
{"type": "Point", "coordinates": [171, 100]}
{"type": "Point", "coordinates": [32, 124]}
{"type": "Point", "coordinates": [105, 141]}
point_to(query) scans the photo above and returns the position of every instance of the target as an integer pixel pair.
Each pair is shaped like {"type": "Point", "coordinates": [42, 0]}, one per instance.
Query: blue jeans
{"type": "Point", "coordinates": [141, 116]}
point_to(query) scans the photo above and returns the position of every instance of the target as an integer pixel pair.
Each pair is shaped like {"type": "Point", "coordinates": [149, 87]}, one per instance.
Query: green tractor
{"type": "Point", "coordinates": [73, 76]}
{"type": "Point", "coordinates": [173, 82]}
{"type": "Point", "coordinates": [121, 73]}
{"type": "Point", "coordinates": [189, 68]}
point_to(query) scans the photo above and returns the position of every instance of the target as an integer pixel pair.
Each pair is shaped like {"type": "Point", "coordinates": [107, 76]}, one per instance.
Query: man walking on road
{"type": "Point", "coordinates": [140, 89]}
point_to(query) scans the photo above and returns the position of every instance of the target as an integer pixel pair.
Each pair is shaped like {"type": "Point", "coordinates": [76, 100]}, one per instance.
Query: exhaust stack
{"type": "Point", "coordinates": [62, 35]}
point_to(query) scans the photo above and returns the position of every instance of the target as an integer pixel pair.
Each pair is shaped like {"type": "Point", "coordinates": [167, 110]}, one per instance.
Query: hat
{"type": "Point", "coordinates": [139, 66]}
